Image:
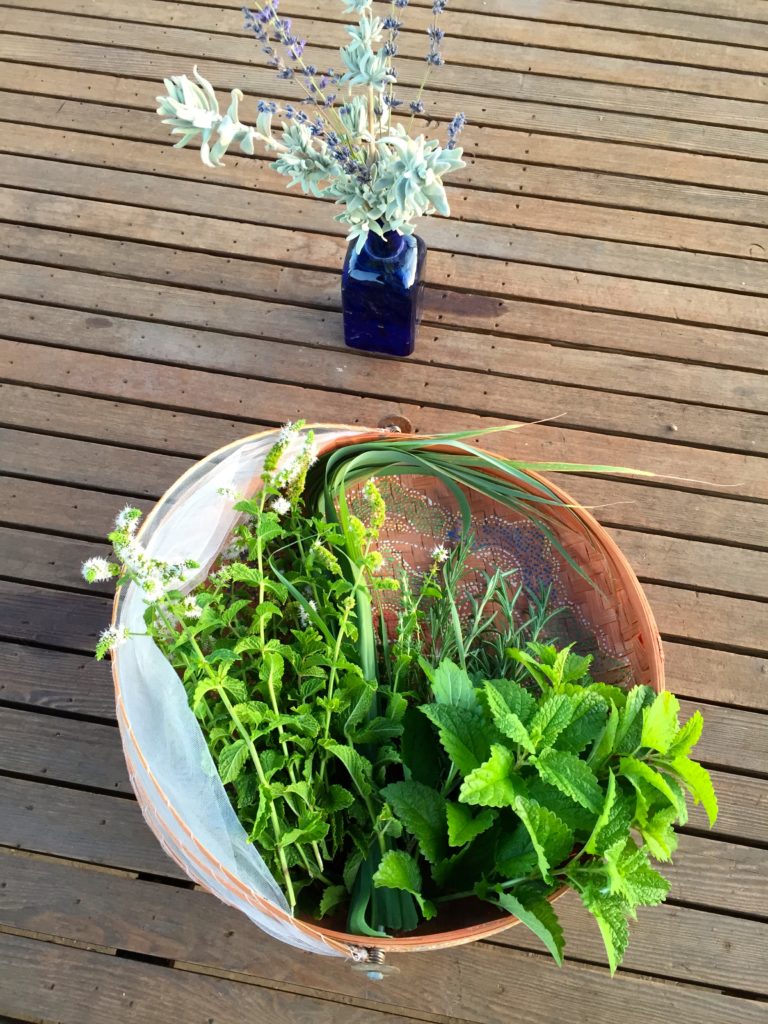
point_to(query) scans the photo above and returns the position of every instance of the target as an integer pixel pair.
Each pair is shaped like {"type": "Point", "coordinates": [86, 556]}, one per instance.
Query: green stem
{"type": "Point", "coordinates": [270, 687]}
{"type": "Point", "coordinates": [257, 765]}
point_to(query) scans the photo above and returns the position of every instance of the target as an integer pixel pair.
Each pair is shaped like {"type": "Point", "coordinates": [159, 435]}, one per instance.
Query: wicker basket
{"type": "Point", "coordinates": [607, 615]}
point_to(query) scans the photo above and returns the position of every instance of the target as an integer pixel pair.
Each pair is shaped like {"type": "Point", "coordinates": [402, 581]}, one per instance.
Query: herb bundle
{"type": "Point", "coordinates": [458, 752]}
{"type": "Point", "coordinates": [342, 140]}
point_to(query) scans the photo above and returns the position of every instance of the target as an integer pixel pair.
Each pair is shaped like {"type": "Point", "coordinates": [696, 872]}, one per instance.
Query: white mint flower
{"type": "Point", "coordinates": [287, 431]}
{"type": "Point", "coordinates": [192, 609]}
{"type": "Point", "coordinates": [128, 518]}
{"type": "Point", "coordinates": [96, 570]}
{"type": "Point", "coordinates": [153, 588]}
{"type": "Point", "coordinates": [440, 553]}
{"type": "Point", "coordinates": [281, 505]}
{"type": "Point", "coordinates": [303, 617]}
{"type": "Point", "coordinates": [111, 638]}
{"type": "Point", "coordinates": [230, 492]}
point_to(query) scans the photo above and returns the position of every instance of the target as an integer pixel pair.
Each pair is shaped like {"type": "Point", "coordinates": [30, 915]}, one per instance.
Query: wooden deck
{"type": "Point", "coordinates": [606, 265]}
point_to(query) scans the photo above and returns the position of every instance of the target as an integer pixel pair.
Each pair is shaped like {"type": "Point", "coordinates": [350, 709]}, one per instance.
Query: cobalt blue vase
{"type": "Point", "coordinates": [382, 289]}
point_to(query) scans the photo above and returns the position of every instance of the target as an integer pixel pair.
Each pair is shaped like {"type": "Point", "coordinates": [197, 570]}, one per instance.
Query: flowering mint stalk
{"type": "Point", "coordinates": [353, 152]}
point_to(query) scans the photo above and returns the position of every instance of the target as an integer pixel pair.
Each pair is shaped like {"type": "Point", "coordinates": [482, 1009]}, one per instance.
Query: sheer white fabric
{"type": "Point", "coordinates": [181, 795]}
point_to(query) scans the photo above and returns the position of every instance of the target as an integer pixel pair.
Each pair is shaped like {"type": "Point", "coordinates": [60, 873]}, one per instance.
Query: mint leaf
{"type": "Point", "coordinates": [609, 912]}
{"type": "Point", "coordinates": [420, 749]}
{"type": "Point", "coordinates": [660, 722]}
{"type": "Point", "coordinates": [571, 776]}
{"type": "Point", "coordinates": [631, 721]}
{"type": "Point", "coordinates": [232, 760]}
{"type": "Point", "coordinates": [359, 767]}
{"type": "Point", "coordinates": [462, 733]}
{"type": "Point", "coordinates": [550, 719]}
{"type": "Point", "coordinates": [576, 817]}
{"type": "Point", "coordinates": [605, 744]}
{"type": "Point", "coordinates": [632, 877]}
{"type": "Point", "coordinates": [552, 839]}
{"type": "Point", "coordinates": [332, 896]}
{"type": "Point", "coordinates": [398, 870]}
{"type": "Point", "coordinates": [687, 738]}
{"type": "Point", "coordinates": [422, 811]}
{"type": "Point", "coordinates": [518, 700]}
{"type": "Point", "coordinates": [640, 772]}
{"type": "Point", "coordinates": [698, 783]}
{"type": "Point", "coordinates": [506, 721]}
{"type": "Point", "coordinates": [516, 857]}
{"type": "Point", "coordinates": [493, 784]}
{"type": "Point", "coordinates": [452, 686]}
{"type": "Point", "coordinates": [463, 827]}
{"type": "Point", "coordinates": [587, 723]}
{"type": "Point", "coordinates": [540, 917]}
{"type": "Point", "coordinates": [659, 835]}
{"type": "Point", "coordinates": [605, 814]}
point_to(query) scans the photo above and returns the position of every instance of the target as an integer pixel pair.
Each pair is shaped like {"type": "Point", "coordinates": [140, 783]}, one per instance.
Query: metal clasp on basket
{"type": "Point", "coordinates": [396, 424]}
{"type": "Point", "coordinates": [370, 961]}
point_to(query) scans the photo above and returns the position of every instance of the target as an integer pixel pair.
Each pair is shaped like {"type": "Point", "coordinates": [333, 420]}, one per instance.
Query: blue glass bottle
{"type": "Point", "coordinates": [382, 289]}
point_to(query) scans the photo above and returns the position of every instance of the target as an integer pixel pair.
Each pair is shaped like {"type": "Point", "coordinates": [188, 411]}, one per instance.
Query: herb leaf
{"type": "Point", "coordinates": [492, 784]}
{"type": "Point", "coordinates": [462, 733]}
{"type": "Point", "coordinates": [538, 915]}
{"type": "Point", "coordinates": [422, 812]}
{"type": "Point", "coordinates": [463, 827]}
{"type": "Point", "coordinates": [571, 776]}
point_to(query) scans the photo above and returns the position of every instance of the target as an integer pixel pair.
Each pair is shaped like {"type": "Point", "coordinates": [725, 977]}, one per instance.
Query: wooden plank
{"type": "Point", "coordinates": [470, 205]}
{"type": "Point", "coordinates": [56, 681]}
{"type": "Point", "coordinates": [46, 457]}
{"type": "Point", "coordinates": [708, 618]}
{"type": "Point", "coordinates": [743, 815]}
{"type": "Point", "coordinates": [758, 11]}
{"type": "Point", "coordinates": [95, 907]}
{"type": "Point", "coordinates": [179, 387]}
{"type": "Point", "coordinates": [524, 162]}
{"type": "Point", "coordinates": [77, 512]}
{"type": "Point", "coordinates": [478, 256]}
{"type": "Point", "coordinates": [492, 51]}
{"type": "Point", "coordinates": [497, 22]}
{"type": "Point", "coordinates": [280, 209]}
{"type": "Point", "coordinates": [487, 42]}
{"type": "Point", "coordinates": [36, 615]}
{"type": "Point", "coordinates": [502, 281]}
{"type": "Point", "coordinates": [64, 510]}
{"type": "Point", "coordinates": [60, 749]}
{"type": "Point", "coordinates": [138, 339]}
{"type": "Point", "coordinates": [29, 454]}
{"type": "Point", "coordinates": [66, 822]}
{"type": "Point", "coordinates": [691, 563]}
{"type": "Point", "coordinates": [486, 69]}
{"type": "Point", "coordinates": [588, 328]}
{"type": "Point", "coordinates": [72, 985]}
{"type": "Point", "coordinates": [731, 738]}
{"type": "Point", "coordinates": [719, 676]}
{"type": "Point", "coordinates": [523, 114]}
{"type": "Point", "coordinates": [89, 754]}
{"type": "Point", "coordinates": [471, 984]}
{"type": "Point", "coordinates": [72, 823]}
{"type": "Point", "coordinates": [553, 213]}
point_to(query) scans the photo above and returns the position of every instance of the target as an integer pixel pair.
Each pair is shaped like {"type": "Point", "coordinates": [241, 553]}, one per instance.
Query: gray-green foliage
{"type": "Point", "coordinates": [351, 152]}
